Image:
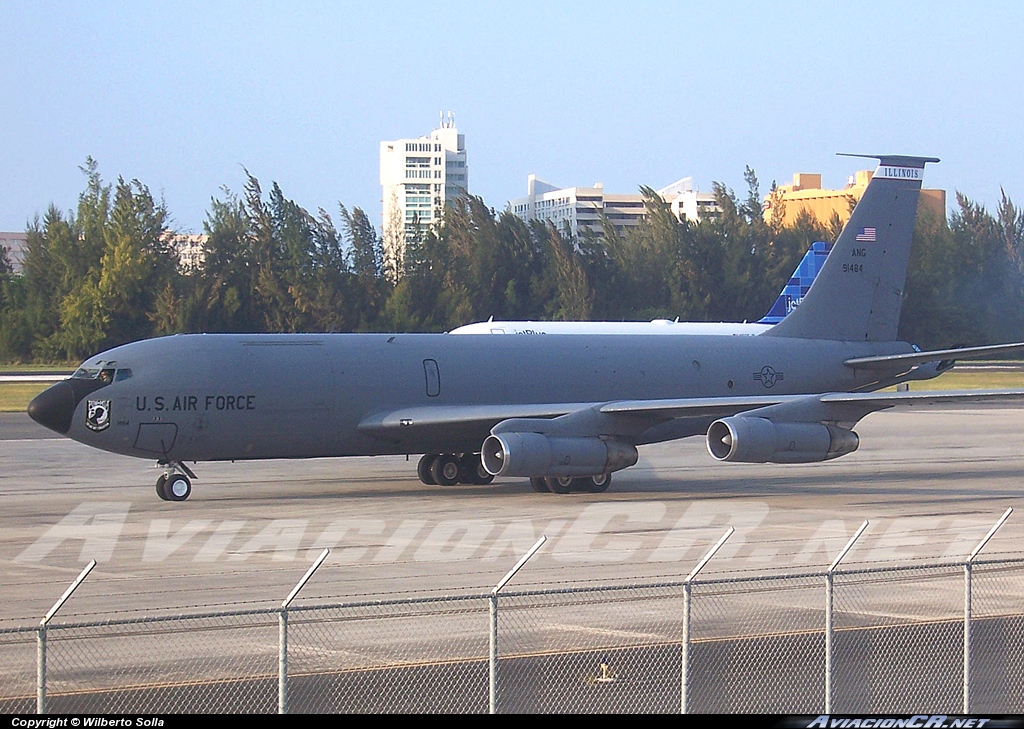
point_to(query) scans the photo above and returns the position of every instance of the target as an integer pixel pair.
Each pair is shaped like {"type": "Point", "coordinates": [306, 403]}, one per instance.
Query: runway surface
{"type": "Point", "coordinates": [931, 482]}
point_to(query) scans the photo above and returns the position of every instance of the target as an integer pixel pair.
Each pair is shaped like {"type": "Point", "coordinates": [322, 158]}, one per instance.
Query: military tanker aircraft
{"type": "Point", "coordinates": [564, 411]}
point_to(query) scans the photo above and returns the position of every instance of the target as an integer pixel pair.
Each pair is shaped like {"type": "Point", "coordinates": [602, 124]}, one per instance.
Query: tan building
{"type": "Point", "coordinates": [806, 193]}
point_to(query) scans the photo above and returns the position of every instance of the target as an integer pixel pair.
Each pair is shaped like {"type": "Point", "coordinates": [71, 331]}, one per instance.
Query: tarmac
{"type": "Point", "coordinates": [930, 482]}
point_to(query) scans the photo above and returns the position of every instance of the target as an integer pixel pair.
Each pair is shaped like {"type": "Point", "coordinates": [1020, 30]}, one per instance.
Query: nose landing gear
{"type": "Point", "coordinates": [174, 483]}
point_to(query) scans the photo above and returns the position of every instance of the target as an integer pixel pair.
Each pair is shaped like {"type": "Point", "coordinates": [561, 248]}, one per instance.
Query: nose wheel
{"type": "Point", "coordinates": [174, 484]}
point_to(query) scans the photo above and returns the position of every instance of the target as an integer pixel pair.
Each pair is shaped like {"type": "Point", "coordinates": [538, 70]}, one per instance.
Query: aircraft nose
{"type": "Point", "coordinates": [54, 407]}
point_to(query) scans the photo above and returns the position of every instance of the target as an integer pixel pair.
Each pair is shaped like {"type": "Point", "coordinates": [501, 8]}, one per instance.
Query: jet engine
{"type": "Point", "coordinates": [534, 454]}
{"type": "Point", "coordinates": [759, 440]}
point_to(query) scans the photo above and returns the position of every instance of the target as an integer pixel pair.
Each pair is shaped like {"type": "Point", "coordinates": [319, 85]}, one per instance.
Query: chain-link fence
{"type": "Point", "coordinates": [904, 639]}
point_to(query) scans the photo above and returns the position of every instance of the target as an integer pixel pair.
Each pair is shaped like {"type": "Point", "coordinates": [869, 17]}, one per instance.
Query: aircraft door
{"type": "Point", "coordinates": [433, 377]}
{"type": "Point", "coordinates": [156, 438]}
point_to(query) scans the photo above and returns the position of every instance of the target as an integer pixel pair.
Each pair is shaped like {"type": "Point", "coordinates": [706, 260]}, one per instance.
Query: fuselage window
{"type": "Point", "coordinates": [122, 374]}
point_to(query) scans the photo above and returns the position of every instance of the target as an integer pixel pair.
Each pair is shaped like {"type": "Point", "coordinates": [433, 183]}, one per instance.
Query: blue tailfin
{"type": "Point", "coordinates": [798, 284]}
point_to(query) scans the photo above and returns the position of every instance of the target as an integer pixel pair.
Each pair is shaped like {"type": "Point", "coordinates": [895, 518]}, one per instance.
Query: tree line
{"type": "Point", "coordinates": [110, 272]}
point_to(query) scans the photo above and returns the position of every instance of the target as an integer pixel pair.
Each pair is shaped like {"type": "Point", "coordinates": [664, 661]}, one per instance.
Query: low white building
{"type": "Point", "coordinates": [689, 203]}
{"type": "Point", "coordinates": [191, 250]}
{"type": "Point", "coordinates": [189, 247]}
{"type": "Point", "coordinates": [15, 245]}
{"type": "Point", "coordinates": [580, 208]}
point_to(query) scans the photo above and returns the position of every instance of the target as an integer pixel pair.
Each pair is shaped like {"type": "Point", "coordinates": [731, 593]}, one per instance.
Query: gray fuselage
{"type": "Point", "coordinates": [245, 396]}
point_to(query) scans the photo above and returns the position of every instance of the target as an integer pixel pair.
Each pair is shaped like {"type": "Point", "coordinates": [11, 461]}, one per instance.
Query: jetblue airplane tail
{"type": "Point", "coordinates": [799, 283]}
{"type": "Point", "coordinates": [858, 293]}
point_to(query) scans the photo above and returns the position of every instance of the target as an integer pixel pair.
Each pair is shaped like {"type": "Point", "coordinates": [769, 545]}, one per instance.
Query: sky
{"type": "Point", "coordinates": [185, 97]}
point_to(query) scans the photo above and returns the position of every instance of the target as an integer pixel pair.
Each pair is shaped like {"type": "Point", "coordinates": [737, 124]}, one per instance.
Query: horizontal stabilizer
{"type": "Point", "coordinates": [894, 160]}
{"type": "Point", "coordinates": [896, 361]}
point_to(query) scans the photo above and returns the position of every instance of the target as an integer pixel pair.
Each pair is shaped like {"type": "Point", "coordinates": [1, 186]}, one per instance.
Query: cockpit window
{"type": "Point", "coordinates": [105, 373]}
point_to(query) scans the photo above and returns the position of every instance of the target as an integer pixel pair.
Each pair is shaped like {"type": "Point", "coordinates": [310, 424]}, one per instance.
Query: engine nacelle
{"type": "Point", "coordinates": [536, 455]}
{"type": "Point", "coordinates": [759, 440]}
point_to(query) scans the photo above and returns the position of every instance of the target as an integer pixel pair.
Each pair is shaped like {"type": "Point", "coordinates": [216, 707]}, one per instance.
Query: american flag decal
{"type": "Point", "coordinates": [866, 234]}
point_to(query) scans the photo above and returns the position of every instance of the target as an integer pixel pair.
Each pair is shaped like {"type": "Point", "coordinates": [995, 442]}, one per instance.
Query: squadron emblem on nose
{"type": "Point", "coordinates": [97, 415]}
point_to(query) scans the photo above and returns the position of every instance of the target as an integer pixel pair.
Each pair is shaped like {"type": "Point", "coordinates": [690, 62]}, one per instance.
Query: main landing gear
{"type": "Point", "coordinates": [448, 469]}
{"type": "Point", "coordinates": [174, 483]}
{"type": "Point", "coordinates": [567, 484]}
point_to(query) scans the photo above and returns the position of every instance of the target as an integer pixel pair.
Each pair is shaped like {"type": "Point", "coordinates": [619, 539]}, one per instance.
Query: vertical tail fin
{"type": "Point", "coordinates": [799, 283]}
{"type": "Point", "coordinates": [858, 293]}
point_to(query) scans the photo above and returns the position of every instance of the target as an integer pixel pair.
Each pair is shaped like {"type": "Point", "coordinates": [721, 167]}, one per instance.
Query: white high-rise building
{"type": "Point", "coordinates": [418, 177]}
{"type": "Point", "coordinates": [580, 208]}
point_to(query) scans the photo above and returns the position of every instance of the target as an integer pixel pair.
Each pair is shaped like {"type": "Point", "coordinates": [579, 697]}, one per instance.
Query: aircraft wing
{"type": "Point", "coordinates": [432, 416]}
{"type": "Point", "coordinates": [620, 418]}
{"type": "Point", "coordinates": [950, 398]}
{"type": "Point", "coordinates": [453, 415]}
{"type": "Point", "coordinates": [848, 407]}
{"type": "Point", "coordinates": [696, 407]}
{"type": "Point", "coordinates": [630, 418]}
{"type": "Point", "coordinates": [894, 361]}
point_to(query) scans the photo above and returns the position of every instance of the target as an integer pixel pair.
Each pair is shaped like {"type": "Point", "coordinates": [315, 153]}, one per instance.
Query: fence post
{"type": "Point", "coordinates": [282, 661]}
{"type": "Point", "coordinates": [492, 659]}
{"type": "Point", "coordinates": [492, 655]}
{"type": "Point", "coordinates": [684, 659]}
{"type": "Point", "coordinates": [829, 590]}
{"type": "Point", "coordinates": [41, 638]}
{"type": "Point", "coordinates": [829, 586]}
{"type": "Point", "coordinates": [282, 642]}
{"type": "Point", "coordinates": [684, 688]}
{"type": "Point", "coordinates": [41, 670]}
{"type": "Point", "coordinates": [968, 567]}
